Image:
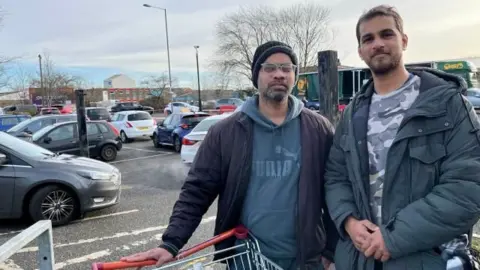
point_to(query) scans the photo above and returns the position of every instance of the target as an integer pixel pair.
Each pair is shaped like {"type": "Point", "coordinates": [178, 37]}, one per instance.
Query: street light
{"type": "Point", "coordinates": [168, 45]}
{"type": "Point", "coordinates": [198, 78]}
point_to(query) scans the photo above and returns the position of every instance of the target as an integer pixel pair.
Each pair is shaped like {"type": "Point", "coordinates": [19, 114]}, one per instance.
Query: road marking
{"type": "Point", "coordinates": [9, 264]}
{"type": "Point", "coordinates": [86, 258]}
{"type": "Point", "coordinates": [124, 187]}
{"type": "Point", "coordinates": [132, 159]}
{"type": "Point", "coordinates": [117, 235]}
{"type": "Point", "coordinates": [11, 232]}
{"type": "Point", "coordinates": [145, 150]}
{"type": "Point", "coordinates": [106, 215]}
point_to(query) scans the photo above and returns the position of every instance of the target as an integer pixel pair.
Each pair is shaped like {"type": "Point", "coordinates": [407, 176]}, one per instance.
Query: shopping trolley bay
{"type": "Point", "coordinates": [151, 180]}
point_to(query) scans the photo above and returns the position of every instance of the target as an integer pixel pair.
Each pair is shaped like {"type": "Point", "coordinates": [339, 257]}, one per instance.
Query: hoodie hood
{"type": "Point", "coordinates": [250, 108]}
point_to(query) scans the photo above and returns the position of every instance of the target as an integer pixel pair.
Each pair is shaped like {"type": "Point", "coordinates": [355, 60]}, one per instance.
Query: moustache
{"type": "Point", "coordinates": [379, 53]}
{"type": "Point", "coordinates": [272, 84]}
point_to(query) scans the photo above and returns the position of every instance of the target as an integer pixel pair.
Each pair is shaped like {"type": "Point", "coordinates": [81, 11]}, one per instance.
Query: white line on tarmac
{"type": "Point", "coordinates": [11, 232]}
{"type": "Point", "coordinates": [117, 235]}
{"type": "Point", "coordinates": [145, 157]}
{"type": "Point", "coordinates": [144, 150]}
{"type": "Point", "coordinates": [107, 215]}
{"type": "Point", "coordinates": [86, 258]}
{"type": "Point", "coordinates": [9, 264]}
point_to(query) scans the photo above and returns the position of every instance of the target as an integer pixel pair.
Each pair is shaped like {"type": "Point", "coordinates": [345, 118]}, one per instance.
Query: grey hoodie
{"type": "Point", "coordinates": [270, 208]}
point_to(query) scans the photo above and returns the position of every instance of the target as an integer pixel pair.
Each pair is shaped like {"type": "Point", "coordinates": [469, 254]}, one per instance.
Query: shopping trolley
{"type": "Point", "coordinates": [246, 256]}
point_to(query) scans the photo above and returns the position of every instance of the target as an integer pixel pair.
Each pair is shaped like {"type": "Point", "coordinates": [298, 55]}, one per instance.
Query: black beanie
{"type": "Point", "coordinates": [264, 51]}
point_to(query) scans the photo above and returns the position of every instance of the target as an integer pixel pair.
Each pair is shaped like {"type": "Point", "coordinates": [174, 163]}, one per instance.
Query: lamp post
{"type": "Point", "coordinates": [41, 79]}
{"type": "Point", "coordinates": [168, 45]}
{"type": "Point", "coordinates": [198, 78]}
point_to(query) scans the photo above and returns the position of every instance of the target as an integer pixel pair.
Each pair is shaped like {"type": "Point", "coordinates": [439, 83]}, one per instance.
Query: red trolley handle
{"type": "Point", "coordinates": [240, 232]}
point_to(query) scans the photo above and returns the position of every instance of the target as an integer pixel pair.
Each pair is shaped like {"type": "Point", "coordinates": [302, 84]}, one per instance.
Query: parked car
{"type": "Point", "coordinates": [65, 108]}
{"type": "Point", "coordinates": [133, 124]}
{"type": "Point", "coordinates": [473, 95]}
{"type": "Point", "coordinates": [172, 130]}
{"type": "Point", "coordinates": [236, 102]}
{"type": "Point", "coordinates": [7, 121]}
{"type": "Point", "coordinates": [192, 141]}
{"type": "Point", "coordinates": [103, 139]}
{"type": "Point", "coordinates": [98, 113]}
{"type": "Point", "coordinates": [27, 128]}
{"type": "Point", "coordinates": [49, 110]}
{"type": "Point", "coordinates": [40, 184]}
{"type": "Point", "coordinates": [179, 107]}
{"type": "Point", "coordinates": [29, 109]}
{"type": "Point", "coordinates": [130, 106]}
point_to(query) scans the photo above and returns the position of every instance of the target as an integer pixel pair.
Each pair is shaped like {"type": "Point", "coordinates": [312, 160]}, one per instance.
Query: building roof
{"type": "Point", "coordinates": [114, 76]}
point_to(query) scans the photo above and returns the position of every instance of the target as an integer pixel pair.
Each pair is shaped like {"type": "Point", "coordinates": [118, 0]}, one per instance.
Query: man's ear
{"type": "Point", "coordinates": [404, 41]}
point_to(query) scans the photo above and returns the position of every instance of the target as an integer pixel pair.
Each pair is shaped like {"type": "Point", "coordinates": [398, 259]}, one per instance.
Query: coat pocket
{"type": "Point", "coordinates": [432, 261]}
{"type": "Point", "coordinates": [346, 256]}
{"type": "Point", "coordinates": [425, 161]}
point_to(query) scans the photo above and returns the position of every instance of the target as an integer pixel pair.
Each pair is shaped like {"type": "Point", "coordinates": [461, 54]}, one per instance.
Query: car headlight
{"type": "Point", "coordinates": [95, 175]}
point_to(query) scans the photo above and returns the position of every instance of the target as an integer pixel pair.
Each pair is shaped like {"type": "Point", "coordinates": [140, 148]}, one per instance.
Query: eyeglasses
{"type": "Point", "coordinates": [269, 67]}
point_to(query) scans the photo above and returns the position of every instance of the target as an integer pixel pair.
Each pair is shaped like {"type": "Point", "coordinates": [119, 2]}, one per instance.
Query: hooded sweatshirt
{"type": "Point", "coordinates": [270, 208]}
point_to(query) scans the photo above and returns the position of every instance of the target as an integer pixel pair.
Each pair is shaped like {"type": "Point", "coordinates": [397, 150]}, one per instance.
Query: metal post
{"type": "Point", "coordinates": [42, 90]}
{"type": "Point", "coordinates": [328, 85]}
{"type": "Point", "coordinates": [198, 78]}
{"type": "Point", "coordinates": [168, 53]}
{"type": "Point", "coordinates": [82, 123]}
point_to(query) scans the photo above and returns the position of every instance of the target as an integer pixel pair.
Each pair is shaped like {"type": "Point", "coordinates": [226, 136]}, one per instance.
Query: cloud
{"type": "Point", "coordinates": [122, 35]}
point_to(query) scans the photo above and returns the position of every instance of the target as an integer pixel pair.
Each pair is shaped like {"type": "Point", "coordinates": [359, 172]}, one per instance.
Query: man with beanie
{"type": "Point", "coordinates": [265, 163]}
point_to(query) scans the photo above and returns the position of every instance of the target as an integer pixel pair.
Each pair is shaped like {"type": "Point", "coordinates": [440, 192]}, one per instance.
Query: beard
{"type": "Point", "coordinates": [382, 64]}
{"type": "Point", "coordinates": [276, 92]}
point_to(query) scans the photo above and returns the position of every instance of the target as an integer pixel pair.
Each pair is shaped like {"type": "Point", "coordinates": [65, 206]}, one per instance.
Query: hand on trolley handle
{"type": "Point", "coordinates": [160, 256]}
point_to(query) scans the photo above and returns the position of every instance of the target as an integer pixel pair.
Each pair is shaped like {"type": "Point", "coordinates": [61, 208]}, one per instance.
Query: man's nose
{"type": "Point", "coordinates": [378, 44]}
{"type": "Point", "coordinates": [279, 74]}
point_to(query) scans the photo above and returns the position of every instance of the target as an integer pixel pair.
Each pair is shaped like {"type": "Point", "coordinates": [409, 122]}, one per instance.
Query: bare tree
{"type": "Point", "coordinates": [20, 83]}
{"type": "Point", "coordinates": [4, 61]}
{"type": "Point", "coordinates": [55, 82]}
{"type": "Point", "coordinates": [304, 26]}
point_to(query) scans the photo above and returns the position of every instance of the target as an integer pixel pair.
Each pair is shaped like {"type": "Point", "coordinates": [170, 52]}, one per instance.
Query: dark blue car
{"type": "Point", "coordinates": [177, 125]}
{"type": "Point", "coordinates": [8, 121]}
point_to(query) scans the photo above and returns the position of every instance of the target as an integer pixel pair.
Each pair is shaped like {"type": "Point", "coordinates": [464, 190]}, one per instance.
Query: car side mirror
{"type": "Point", "coordinates": [28, 131]}
{"type": "Point", "coordinates": [47, 140]}
{"type": "Point", "coordinates": [3, 159]}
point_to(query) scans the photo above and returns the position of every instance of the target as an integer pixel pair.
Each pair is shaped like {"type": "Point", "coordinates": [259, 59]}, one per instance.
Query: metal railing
{"type": "Point", "coordinates": [42, 232]}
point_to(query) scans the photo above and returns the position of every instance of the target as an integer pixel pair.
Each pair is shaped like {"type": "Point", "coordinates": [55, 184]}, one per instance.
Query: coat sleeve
{"type": "Point", "coordinates": [338, 188]}
{"type": "Point", "coordinates": [330, 229]}
{"type": "Point", "coordinates": [201, 187]}
{"type": "Point", "coordinates": [453, 206]}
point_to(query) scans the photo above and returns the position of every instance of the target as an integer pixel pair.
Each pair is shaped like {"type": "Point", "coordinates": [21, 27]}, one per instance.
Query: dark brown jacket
{"type": "Point", "coordinates": [222, 168]}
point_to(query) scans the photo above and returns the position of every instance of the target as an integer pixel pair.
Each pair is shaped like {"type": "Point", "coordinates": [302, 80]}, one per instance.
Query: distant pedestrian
{"type": "Point", "coordinates": [265, 164]}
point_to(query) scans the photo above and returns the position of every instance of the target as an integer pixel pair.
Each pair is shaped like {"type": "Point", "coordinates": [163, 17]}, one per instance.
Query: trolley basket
{"type": "Point", "coordinates": [246, 256]}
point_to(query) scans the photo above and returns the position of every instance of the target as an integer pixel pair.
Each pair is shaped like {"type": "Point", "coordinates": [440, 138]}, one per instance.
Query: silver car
{"type": "Point", "coordinates": [40, 184]}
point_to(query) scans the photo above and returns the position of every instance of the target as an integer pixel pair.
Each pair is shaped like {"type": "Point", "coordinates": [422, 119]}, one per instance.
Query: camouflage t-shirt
{"type": "Point", "coordinates": [386, 114]}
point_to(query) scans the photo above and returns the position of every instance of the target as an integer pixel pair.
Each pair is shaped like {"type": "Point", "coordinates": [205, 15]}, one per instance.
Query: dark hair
{"type": "Point", "coordinates": [382, 10]}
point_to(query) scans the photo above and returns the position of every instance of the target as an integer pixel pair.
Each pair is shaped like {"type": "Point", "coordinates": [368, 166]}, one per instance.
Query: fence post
{"type": "Point", "coordinates": [46, 258]}
{"type": "Point", "coordinates": [82, 123]}
{"type": "Point", "coordinates": [328, 85]}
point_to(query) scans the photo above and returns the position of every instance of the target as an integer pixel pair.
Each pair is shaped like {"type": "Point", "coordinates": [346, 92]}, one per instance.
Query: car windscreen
{"type": "Point", "coordinates": [205, 125]}
{"type": "Point", "coordinates": [139, 116]}
{"type": "Point", "coordinates": [97, 112]}
{"type": "Point", "coordinates": [193, 120]}
{"type": "Point", "coordinates": [23, 147]}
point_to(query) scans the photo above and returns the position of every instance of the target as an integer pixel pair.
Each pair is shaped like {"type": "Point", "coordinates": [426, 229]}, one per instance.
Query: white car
{"type": "Point", "coordinates": [133, 124]}
{"type": "Point", "coordinates": [191, 142]}
{"type": "Point", "coordinates": [179, 107]}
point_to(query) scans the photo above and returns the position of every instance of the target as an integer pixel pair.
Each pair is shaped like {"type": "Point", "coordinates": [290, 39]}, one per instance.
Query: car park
{"type": "Point", "coordinates": [172, 130]}
{"type": "Point", "coordinates": [41, 184]}
{"type": "Point", "coordinates": [26, 128]}
{"type": "Point", "coordinates": [192, 141]}
{"type": "Point", "coordinates": [130, 106]}
{"type": "Point", "coordinates": [103, 139]}
{"type": "Point", "coordinates": [133, 124]}
{"type": "Point", "coordinates": [7, 121]}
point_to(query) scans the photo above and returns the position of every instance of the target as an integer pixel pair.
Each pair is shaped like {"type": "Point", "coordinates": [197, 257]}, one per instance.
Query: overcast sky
{"type": "Point", "coordinates": [98, 38]}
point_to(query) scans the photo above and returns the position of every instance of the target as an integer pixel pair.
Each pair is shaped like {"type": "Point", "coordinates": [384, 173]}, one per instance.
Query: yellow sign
{"type": "Point", "coordinates": [453, 66]}
{"type": "Point", "coordinates": [302, 86]}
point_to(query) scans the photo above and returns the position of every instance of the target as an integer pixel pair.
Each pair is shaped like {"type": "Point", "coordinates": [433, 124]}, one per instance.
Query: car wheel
{"type": "Point", "coordinates": [177, 144]}
{"type": "Point", "coordinates": [53, 203]}
{"type": "Point", "coordinates": [108, 153]}
{"type": "Point", "coordinates": [155, 141]}
{"type": "Point", "coordinates": [124, 137]}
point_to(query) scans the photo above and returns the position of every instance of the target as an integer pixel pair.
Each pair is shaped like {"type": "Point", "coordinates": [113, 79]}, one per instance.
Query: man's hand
{"type": "Point", "coordinates": [326, 263]}
{"type": "Point", "coordinates": [159, 254]}
{"type": "Point", "coordinates": [377, 247]}
{"type": "Point", "coordinates": [360, 232]}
